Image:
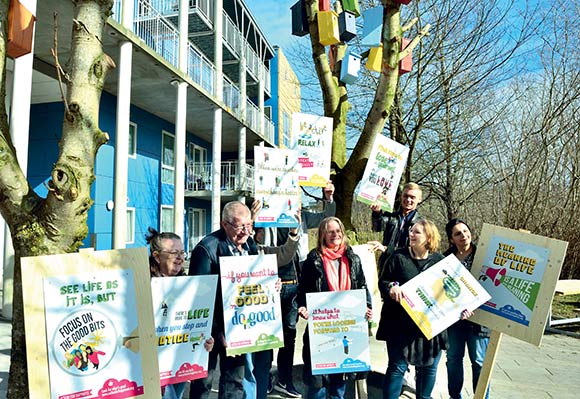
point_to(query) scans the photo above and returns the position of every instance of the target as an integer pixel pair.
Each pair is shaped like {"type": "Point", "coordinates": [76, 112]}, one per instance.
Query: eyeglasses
{"type": "Point", "coordinates": [175, 254]}
{"type": "Point", "coordinates": [239, 229]}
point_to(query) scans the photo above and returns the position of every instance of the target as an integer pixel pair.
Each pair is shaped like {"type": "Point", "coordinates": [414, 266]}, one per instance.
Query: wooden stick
{"type": "Point", "coordinates": [488, 363]}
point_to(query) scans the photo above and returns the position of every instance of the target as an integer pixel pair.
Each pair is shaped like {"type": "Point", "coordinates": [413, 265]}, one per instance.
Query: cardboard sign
{"type": "Point", "coordinates": [312, 140]}
{"type": "Point", "coordinates": [520, 271]}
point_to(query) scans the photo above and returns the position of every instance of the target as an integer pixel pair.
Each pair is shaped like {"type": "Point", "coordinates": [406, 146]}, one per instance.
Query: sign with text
{"type": "Point", "coordinates": [252, 313]}
{"type": "Point", "coordinates": [436, 297]}
{"type": "Point", "coordinates": [183, 309]}
{"type": "Point", "coordinates": [338, 331]}
{"type": "Point", "coordinates": [382, 174]}
{"type": "Point", "coordinates": [312, 140]}
{"type": "Point", "coordinates": [88, 316]}
{"type": "Point", "coordinates": [520, 271]}
{"type": "Point", "coordinates": [276, 186]}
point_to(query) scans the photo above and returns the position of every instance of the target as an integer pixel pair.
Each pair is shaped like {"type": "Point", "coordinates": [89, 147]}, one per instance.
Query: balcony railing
{"type": "Point", "coordinates": [163, 37]}
{"type": "Point", "coordinates": [199, 177]}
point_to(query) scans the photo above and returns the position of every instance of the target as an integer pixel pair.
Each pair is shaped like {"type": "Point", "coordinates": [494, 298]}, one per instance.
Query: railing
{"type": "Point", "coordinates": [200, 69]}
{"type": "Point", "coordinates": [269, 130]}
{"type": "Point", "coordinates": [232, 34]}
{"type": "Point", "coordinates": [252, 116]}
{"type": "Point", "coordinates": [231, 96]}
{"type": "Point", "coordinates": [156, 31]}
{"type": "Point", "coordinates": [199, 177]}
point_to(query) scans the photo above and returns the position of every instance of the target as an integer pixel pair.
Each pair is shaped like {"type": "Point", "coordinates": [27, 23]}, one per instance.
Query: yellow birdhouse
{"type": "Point", "coordinates": [375, 59]}
{"type": "Point", "coordinates": [328, 28]}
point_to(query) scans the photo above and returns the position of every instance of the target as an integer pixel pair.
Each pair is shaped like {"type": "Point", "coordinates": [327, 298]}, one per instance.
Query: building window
{"type": "Point", "coordinates": [196, 224]}
{"type": "Point", "coordinates": [286, 129]}
{"type": "Point", "coordinates": [130, 226]}
{"type": "Point", "coordinates": [166, 222]}
{"type": "Point", "coordinates": [167, 158]}
{"type": "Point", "coordinates": [132, 139]}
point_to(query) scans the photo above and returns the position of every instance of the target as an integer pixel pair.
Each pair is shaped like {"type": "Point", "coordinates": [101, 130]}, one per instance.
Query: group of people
{"type": "Point", "coordinates": [410, 245]}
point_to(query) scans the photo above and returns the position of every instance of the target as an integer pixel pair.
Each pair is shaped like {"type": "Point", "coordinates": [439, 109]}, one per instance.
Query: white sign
{"type": "Point", "coordinates": [436, 297]}
{"type": "Point", "coordinates": [252, 313]}
{"type": "Point", "coordinates": [183, 309]}
{"type": "Point", "coordinates": [338, 332]}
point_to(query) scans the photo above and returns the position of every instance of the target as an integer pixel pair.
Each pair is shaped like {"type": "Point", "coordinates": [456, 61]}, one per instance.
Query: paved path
{"type": "Point", "coordinates": [522, 371]}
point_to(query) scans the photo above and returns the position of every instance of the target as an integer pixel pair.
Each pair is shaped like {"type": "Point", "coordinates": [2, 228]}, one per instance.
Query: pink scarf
{"type": "Point", "coordinates": [334, 282]}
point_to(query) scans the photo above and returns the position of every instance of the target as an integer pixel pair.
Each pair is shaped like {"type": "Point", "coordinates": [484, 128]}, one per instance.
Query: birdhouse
{"type": "Point", "coordinates": [20, 30]}
{"type": "Point", "coordinates": [323, 5]}
{"type": "Point", "coordinates": [350, 67]}
{"type": "Point", "coordinates": [328, 28]}
{"type": "Point", "coordinates": [406, 64]}
{"type": "Point", "coordinates": [403, 1]}
{"type": "Point", "coordinates": [332, 55]}
{"type": "Point", "coordinates": [299, 19]}
{"type": "Point", "coordinates": [373, 27]}
{"type": "Point", "coordinates": [375, 59]}
{"type": "Point", "coordinates": [351, 6]}
{"type": "Point", "coordinates": [346, 26]}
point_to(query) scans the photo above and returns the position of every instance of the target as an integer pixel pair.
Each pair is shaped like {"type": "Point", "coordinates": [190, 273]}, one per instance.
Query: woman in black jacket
{"type": "Point", "coordinates": [406, 344]}
{"type": "Point", "coordinates": [332, 266]}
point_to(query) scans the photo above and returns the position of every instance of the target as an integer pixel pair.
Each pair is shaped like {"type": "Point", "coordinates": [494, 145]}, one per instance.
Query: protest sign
{"type": "Point", "coordinates": [312, 140]}
{"type": "Point", "coordinates": [436, 297]}
{"type": "Point", "coordinates": [382, 174]}
{"type": "Point", "coordinates": [88, 332]}
{"type": "Point", "coordinates": [370, 270]}
{"type": "Point", "coordinates": [276, 186]}
{"type": "Point", "coordinates": [338, 332]}
{"type": "Point", "coordinates": [183, 319]}
{"type": "Point", "coordinates": [520, 271]}
{"type": "Point", "coordinates": [252, 313]}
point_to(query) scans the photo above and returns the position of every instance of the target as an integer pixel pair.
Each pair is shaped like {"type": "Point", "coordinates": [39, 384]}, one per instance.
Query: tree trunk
{"type": "Point", "coordinates": [57, 223]}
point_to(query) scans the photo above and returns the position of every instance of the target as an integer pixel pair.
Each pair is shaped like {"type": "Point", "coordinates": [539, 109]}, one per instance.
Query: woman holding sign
{"type": "Point", "coordinates": [332, 266]}
{"type": "Point", "coordinates": [166, 260]}
{"type": "Point", "coordinates": [406, 344]}
{"type": "Point", "coordinates": [463, 332]}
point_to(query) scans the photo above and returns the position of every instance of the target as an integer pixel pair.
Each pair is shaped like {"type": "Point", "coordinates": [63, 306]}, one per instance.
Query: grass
{"type": "Point", "coordinates": [566, 306]}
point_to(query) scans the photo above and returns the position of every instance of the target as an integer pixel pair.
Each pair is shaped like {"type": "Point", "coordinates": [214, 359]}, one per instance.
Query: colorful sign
{"type": "Point", "coordinates": [276, 186]}
{"type": "Point", "coordinates": [338, 332]}
{"type": "Point", "coordinates": [252, 313]}
{"type": "Point", "coordinates": [89, 318]}
{"type": "Point", "coordinates": [382, 174]}
{"type": "Point", "coordinates": [183, 309]}
{"type": "Point", "coordinates": [436, 297]}
{"type": "Point", "coordinates": [312, 139]}
{"type": "Point", "coordinates": [520, 271]}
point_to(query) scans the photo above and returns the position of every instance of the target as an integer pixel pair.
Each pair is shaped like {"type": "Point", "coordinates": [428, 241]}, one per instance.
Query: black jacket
{"type": "Point", "coordinates": [390, 224]}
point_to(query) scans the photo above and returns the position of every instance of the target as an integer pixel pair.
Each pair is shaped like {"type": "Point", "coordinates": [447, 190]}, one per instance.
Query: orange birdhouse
{"type": "Point", "coordinates": [403, 1]}
{"type": "Point", "coordinates": [20, 29]}
{"type": "Point", "coordinates": [323, 5]}
{"type": "Point", "coordinates": [406, 64]}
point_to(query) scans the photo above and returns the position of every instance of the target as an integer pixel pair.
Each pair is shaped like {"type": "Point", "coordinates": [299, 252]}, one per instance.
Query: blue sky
{"type": "Point", "coordinates": [274, 18]}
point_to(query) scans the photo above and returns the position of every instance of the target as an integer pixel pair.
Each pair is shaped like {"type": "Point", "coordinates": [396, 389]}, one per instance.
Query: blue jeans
{"type": "Point", "coordinates": [393, 383]}
{"type": "Point", "coordinates": [174, 391]}
{"type": "Point", "coordinates": [459, 335]}
{"type": "Point", "coordinates": [336, 388]}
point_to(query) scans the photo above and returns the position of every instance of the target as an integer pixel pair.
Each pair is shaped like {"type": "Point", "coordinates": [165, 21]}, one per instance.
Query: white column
{"type": "Point", "coordinates": [179, 186]}
{"type": "Point", "coordinates": [216, 169]}
{"type": "Point", "coordinates": [217, 122]}
{"type": "Point", "coordinates": [261, 85]}
{"type": "Point", "coordinates": [181, 126]}
{"type": "Point", "coordinates": [122, 131]}
{"type": "Point", "coordinates": [19, 117]}
{"type": "Point", "coordinates": [122, 145]}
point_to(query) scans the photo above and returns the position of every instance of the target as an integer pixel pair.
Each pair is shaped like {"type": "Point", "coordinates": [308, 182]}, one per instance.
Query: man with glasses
{"type": "Point", "coordinates": [232, 239]}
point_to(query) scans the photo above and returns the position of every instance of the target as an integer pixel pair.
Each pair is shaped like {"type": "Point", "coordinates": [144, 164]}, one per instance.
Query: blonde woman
{"type": "Point", "coordinates": [406, 344]}
{"type": "Point", "coordinates": [332, 266]}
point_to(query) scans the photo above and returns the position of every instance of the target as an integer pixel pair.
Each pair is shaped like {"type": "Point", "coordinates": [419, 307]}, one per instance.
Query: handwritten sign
{"type": "Point", "coordinates": [382, 174]}
{"type": "Point", "coordinates": [252, 313]}
{"type": "Point", "coordinates": [436, 297]}
{"type": "Point", "coordinates": [338, 332]}
{"type": "Point", "coordinates": [89, 318]}
{"type": "Point", "coordinates": [520, 271]}
{"type": "Point", "coordinates": [276, 186]}
{"type": "Point", "coordinates": [183, 318]}
{"type": "Point", "coordinates": [312, 139]}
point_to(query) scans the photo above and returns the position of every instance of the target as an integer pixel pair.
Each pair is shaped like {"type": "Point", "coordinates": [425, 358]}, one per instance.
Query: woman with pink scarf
{"type": "Point", "coordinates": [332, 266]}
